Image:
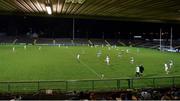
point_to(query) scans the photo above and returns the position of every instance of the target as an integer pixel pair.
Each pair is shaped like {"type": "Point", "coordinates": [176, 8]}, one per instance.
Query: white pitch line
{"type": "Point", "coordinates": [91, 69]}
{"type": "Point", "coordinates": [88, 67]}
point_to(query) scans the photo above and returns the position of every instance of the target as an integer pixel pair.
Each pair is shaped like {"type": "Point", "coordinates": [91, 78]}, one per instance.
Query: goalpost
{"type": "Point", "coordinates": [160, 32]}
{"type": "Point", "coordinates": [171, 41]}
{"type": "Point", "coordinates": [170, 48]}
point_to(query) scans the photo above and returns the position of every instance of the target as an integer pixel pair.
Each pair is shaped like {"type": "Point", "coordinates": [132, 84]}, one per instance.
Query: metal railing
{"type": "Point", "coordinates": [102, 84]}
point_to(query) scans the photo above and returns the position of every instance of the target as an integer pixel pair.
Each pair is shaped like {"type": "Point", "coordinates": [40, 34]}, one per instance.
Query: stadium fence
{"type": "Point", "coordinates": [90, 85]}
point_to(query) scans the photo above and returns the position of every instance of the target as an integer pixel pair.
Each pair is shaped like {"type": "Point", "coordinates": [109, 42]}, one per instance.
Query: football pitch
{"type": "Point", "coordinates": [61, 63]}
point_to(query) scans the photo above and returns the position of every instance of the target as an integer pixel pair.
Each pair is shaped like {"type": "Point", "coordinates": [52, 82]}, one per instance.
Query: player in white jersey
{"type": "Point", "coordinates": [137, 71]}
{"type": "Point", "coordinates": [24, 47]}
{"type": "Point", "coordinates": [13, 49]}
{"type": "Point", "coordinates": [119, 55]}
{"type": "Point", "coordinates": [127, 50]}
{"type": "Point", "coordinates": [132, 60]}
{"type": "Point", "coordinates": [102, 76]}
{"type": "Point", "coordinates": [78, 57]}
{"type": "Point", "coordinates": [102, 45]}
{"type": "Point", "coordinates": [99, 53]}
{"type": "Point", "coordinates": [107, 60]}
{"type": "Point", "coordinates": [166, 68]}
{"type": "Point", "coordinates": [39, 47]}
{"type": "Point", "coordinates": [170, 64]}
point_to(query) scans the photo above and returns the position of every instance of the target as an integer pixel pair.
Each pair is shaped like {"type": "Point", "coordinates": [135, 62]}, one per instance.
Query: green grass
{"type": "Point", "coordinates": [60, 63]}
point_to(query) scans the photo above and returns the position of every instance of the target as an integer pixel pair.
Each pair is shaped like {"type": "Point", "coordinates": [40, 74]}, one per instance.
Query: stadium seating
{"type": "Point", "coordinates": [126, 94]}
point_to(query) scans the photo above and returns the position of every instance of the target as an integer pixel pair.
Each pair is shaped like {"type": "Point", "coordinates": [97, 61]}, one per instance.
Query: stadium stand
{"type": "Point", "coordinates": [82, 41]}
{"type": "Point", "coordinates": [172, 93]}
{"type": "Point", "coordinates": [98, 41]}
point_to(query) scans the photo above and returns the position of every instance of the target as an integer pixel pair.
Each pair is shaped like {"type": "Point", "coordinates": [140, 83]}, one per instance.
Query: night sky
{"type": "Point", "coordinates": [56, 27]}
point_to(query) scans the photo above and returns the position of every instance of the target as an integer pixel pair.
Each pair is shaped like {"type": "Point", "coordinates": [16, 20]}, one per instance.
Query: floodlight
{"type": "Point", "coordinates": [49, 10]}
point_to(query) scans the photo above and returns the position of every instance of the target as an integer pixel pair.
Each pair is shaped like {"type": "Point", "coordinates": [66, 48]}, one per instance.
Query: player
{"type": "Point", "coordinates": [119, 55]}
{"type": "Point", "coordinates": [13, 49]}
{"type": "Point", "coordinates": [39, 48]}
{"type": "Point", "coordinates": [166, 68]}
{"type": "Point", "coordinates": [141, 68]}
{"type": "Point", "coordinates": [78, 57]}
{"type": "Point", "coordinates": [34, 42]}
{"type": "Point", "coordinates": [107, 60]}
{"type": "Point", "coordinates": [99, 53]}
{"type": "Point", "coordinates": [137, 71]}
{"type": "Point", "coordinates": [54, 42]}
{"type": "Point", "coordinates": [122, 50]}
{"type": "Point", "coordinates": [102, 76]}
{"type": "Point", "coordinates": [127, 50]}
{"type": "Point", "coordinates": [132, 60]}
{"type": "Point", "coordinates": [170, 64]}
{"type": "Point", "coordinates": [24, 47]}
{"type": "Point", "coordinates": [102, 46]}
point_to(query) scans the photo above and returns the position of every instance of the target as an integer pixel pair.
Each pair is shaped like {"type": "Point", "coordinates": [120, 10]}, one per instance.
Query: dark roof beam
{"type": "Point", "coordinates": [63, 4]}
{"type": "Point", "coordinates": [86, 6]}
{"type": "Point", "coordinates": [70, 8]}
{"type": "Point", "coordinates": [92, 6]}
{"type": "Point", "coordinates": [8, 5]}
{"type": "Point", "coordinates": [22, 7]}
{"type": "Point", "coordinates": [34, 6]}
{"type": "Point", "coordinates": [99, 6]}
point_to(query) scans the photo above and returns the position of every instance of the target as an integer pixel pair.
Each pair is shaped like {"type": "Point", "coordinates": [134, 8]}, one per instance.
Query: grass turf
{"type": "Point", "coordinates": [60, 63]}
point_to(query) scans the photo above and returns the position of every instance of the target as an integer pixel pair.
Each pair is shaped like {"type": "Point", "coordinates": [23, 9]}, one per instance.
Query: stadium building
{"type": "Point", "coordinates": [89, 50]}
